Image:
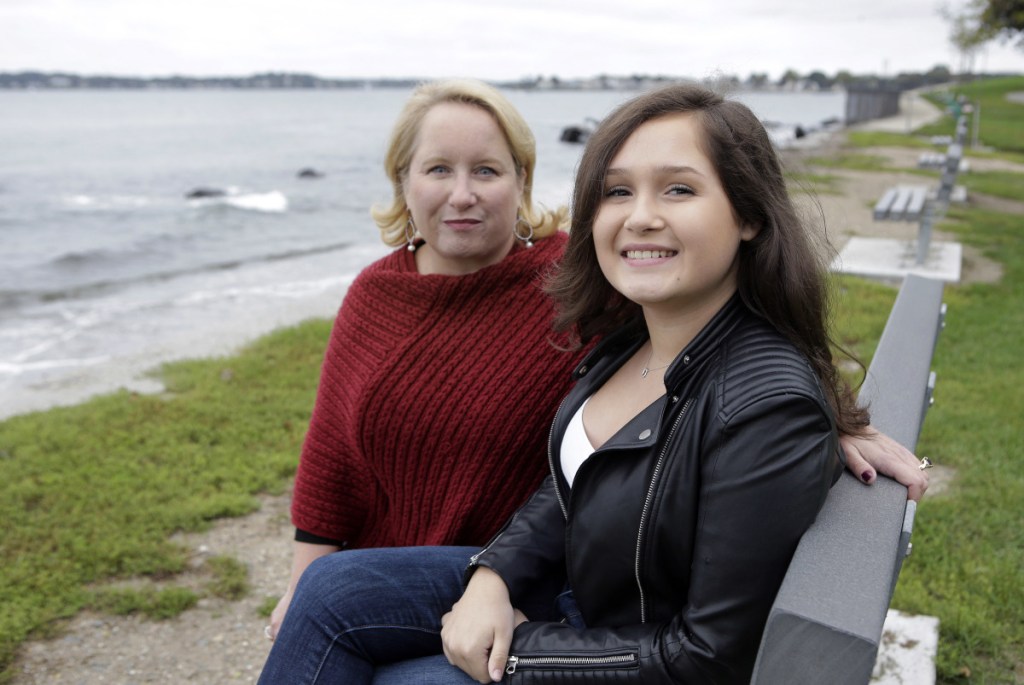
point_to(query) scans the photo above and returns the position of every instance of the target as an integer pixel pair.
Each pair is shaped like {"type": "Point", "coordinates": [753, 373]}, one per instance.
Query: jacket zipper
{"type": "Point", "coordinates": [613, 660]}
{"type": "Point", "coordinates": [473, 559]}
{"type": "Point", "coordinates": [647, 506]}
{"type": "Point", "coordinates": [551, 461]}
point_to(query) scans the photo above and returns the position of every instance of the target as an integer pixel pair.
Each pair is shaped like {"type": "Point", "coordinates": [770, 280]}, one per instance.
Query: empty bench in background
{"type": "Point", "coordinates": [937, 161]}
{"type": "Point", "coordinates": [915, 203]}
{"type": "Point", "coordinates": [902, 203]}
{"type": "Point", "coordinates": [826, 623]}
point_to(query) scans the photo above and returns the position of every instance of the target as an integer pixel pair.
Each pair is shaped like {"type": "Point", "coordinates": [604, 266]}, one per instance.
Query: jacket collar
{"type": "Point", "coordinates": [619, 345]}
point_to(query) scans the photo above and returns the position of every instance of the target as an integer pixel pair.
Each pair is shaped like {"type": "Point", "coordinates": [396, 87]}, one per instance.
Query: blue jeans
{"type": "Point", "coordinates": [371, 616]}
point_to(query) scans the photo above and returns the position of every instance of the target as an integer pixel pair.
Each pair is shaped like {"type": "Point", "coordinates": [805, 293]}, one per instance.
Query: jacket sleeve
{"type": "Point", "coordinates": [529, 551]}
{"type": "Point", "coordinates": [765, 472]}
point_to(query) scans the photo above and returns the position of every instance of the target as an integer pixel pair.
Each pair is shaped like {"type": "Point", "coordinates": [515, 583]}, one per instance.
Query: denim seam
{"type": "Point", "coordinates": [372, 626]}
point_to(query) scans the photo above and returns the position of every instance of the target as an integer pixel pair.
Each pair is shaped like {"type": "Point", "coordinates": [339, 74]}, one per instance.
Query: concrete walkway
{"type": "Point", "coordinates": [915, 111]}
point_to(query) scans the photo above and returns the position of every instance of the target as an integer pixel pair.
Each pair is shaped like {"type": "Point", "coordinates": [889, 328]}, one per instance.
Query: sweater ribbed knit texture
{"type": "Point", "coordinates": [435, 401]}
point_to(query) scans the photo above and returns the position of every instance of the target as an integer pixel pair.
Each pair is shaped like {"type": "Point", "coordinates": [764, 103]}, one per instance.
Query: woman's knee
{"type": "Point", "coordinates": [371, 585]}
{"type": "Point", "coordinates": [336, 584]}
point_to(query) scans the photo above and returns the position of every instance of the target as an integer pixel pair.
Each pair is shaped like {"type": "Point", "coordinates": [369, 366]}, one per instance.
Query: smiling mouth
{"type": "Point", "coordinates": [649, 254]}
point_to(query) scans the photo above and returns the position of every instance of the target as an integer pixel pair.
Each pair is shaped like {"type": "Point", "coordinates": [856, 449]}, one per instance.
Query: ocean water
{"type": "Point", "coordinates": [107, 269]}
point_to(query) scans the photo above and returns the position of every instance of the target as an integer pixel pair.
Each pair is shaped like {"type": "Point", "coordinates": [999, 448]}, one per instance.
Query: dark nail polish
{"type": "Point", "coordinates": [866, 476]}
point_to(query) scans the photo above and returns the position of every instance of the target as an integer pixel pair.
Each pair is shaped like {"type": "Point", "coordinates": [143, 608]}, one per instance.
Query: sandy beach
{"type": "Point", "coordinates": [221, 641]}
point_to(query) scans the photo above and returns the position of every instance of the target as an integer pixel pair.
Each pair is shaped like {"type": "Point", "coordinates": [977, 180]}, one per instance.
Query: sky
{"type": "Point", "coordinates": [488, 39]}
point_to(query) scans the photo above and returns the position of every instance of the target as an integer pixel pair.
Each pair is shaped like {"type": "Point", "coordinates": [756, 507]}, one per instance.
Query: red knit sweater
{"type": "Point", "coordinates": [435, 401]}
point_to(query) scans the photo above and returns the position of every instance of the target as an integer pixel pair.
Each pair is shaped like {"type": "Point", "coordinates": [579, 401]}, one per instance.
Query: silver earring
{"type": "Point", "coordinates": [410, 235]}
{"type": "Point", "coordinates": [525, 239]}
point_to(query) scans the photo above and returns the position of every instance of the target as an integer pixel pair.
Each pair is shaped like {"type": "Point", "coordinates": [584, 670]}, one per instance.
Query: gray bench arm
{"type": "Point", "coordinates": [826, 622]}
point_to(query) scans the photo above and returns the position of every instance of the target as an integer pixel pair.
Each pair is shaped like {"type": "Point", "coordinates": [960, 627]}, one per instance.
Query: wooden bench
{"type": "Point", "coordinates": [826, 623]}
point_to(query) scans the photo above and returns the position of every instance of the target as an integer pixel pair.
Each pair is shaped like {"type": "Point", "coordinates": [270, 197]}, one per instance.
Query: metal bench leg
{"type": "Point", "coordinates": [924, 235]}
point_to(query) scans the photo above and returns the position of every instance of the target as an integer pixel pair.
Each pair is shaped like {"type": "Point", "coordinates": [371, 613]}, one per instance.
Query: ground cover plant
{"type": "Point", "coordinates": [1000, 123]}
{"type": "Point", "coordinates": [91, 494]}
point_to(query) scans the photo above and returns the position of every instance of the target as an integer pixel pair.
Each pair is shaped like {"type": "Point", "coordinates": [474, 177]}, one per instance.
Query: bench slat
{"type": "Point", "coordinates": [883, 205]}
{"type": "Point", "coordinates": [899, 205]}
{"type": "Point", "coordinates": [915, 206]}
{"type": "Point", "coordinates": [902, 203]}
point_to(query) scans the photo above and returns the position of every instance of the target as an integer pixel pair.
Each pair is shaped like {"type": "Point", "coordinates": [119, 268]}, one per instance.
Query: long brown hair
{"type": "Point", "coordinates": [781, 272]}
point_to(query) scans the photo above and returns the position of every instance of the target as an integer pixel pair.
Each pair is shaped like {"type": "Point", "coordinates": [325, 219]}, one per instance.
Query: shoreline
{"type": "Point", "coordinates": [139, 373]}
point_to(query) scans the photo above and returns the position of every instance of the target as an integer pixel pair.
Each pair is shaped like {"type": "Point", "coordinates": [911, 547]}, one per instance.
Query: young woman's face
{"type": "Point", "coordinates": [665, 233]}
{"type": "Point", "coordinates": [462, 190]}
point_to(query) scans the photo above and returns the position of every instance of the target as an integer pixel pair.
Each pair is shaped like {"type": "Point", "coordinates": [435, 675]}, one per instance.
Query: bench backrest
{"type": "Point", "coordinates": [826, 623]}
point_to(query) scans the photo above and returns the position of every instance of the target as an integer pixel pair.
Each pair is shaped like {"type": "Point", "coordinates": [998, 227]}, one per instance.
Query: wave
{"type": "Point", "coordinates": [15, 298]}
{"type": "Point", "coordinates": [291, 290]}
{"type": "Point", "coordinates": [14, 369]}
{"type": "Point", "coordinates": [87, 258]}
{"type": "Point", "coordinates": [104, 202]}
{"type": "Point", "coordinates": [274, 202]}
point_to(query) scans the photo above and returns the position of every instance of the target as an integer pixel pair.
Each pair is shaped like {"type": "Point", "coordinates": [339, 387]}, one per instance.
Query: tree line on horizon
{"type": "Point", "coordinates": [791, 79]}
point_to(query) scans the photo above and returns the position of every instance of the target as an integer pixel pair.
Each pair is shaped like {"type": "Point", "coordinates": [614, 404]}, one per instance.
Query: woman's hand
{"type": "Point", "coordinates": [874, 453]}
{"type": "Point", "coordinates": [303, 554]}
{"type": "Point", "coordinates": [277, 615]}
{"type": "Point", "coordinates": [477, 632]}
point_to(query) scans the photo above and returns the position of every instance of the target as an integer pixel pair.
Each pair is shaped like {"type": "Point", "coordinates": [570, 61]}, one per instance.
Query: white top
{"type": "Point", "coordinates": [576, 446]}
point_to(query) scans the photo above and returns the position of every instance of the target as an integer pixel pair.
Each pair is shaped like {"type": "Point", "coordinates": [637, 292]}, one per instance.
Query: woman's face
{"type": "Point", "coordinates": [462, 190]}
{"type": "Point", "coordinates": [665, 232]}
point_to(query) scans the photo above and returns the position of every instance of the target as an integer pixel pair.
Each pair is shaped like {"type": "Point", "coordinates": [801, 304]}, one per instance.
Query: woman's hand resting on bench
{"type": "Point", "coordinates": [875, 453]}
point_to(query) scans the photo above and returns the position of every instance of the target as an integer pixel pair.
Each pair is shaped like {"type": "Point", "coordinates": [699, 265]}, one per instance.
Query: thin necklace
{"type": "Point", "coordinates": [648, 369]}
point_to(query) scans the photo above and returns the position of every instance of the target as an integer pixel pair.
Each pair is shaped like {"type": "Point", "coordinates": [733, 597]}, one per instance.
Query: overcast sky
{"type": "Point", "coordinates": [488, 39]}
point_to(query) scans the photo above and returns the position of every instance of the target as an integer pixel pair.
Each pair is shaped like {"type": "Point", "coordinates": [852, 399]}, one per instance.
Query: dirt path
{"type": "Point", "coordinates": [221, 641]}
{"type": "Point", "coordinates": [217, 642]}
{"type": "Point", "coordinates": [848, 212]}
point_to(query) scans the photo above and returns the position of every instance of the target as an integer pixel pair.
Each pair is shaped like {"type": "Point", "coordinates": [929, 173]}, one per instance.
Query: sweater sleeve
{"type": "Point", "coordinates": [333, 486]}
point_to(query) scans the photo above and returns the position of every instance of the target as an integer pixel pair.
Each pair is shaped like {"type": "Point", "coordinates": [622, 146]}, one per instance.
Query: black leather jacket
{"type": "Point", "coordinates": [677, 533]}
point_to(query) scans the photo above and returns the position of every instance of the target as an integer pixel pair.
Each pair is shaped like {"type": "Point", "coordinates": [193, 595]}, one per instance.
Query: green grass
{"type": "Point", "coordinates": [155, 604]}
{"type": "Point", "coordinates": [1000, 119]}
{"type": "Point", "coordinates": [267, 606]}
{"type": "Point", "coordinates": [969, 542]}
{"type": "Point", "coordinates": [1006, 184]}
{"type": "Point", "coordinates": [979, 153]}
{"type": "Point", "coordinates": [886, 139]}
{"type": "Point", "coordinates": [92, 493]}
{"type": "Point", "coordinates": [852, 161]}
{"type": "Point", "coordinates": [812, 183]}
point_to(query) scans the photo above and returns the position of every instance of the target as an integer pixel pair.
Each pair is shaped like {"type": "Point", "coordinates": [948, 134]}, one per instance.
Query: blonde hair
{"type": "Point", "coordinates": [392, 220]}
